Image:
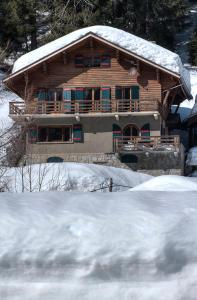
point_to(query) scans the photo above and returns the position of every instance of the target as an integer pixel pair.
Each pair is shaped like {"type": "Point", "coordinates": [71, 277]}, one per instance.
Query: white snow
{"type": "Point", "coordinates": [167, 183]}
{"type": "Point", "coordinates": [83, 246]}
{"type": "Point", "coordinates": [148, 50]}
{"type": "Point", "coordinates": [192, 157]}
{"type": "Point", "coordinates": [70, 177]}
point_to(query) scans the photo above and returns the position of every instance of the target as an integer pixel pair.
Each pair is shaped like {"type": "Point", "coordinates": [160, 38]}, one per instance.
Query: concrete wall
{"type": "Point", "coordinates": [98, 136]}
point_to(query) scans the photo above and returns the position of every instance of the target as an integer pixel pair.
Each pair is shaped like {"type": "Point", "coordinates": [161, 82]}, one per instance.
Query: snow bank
{"type": "Point", "coordinates": [192, 157]}
{"type": "Point", "coordinates": [168, 183]}
{"type": "Point", "coordinates": [130, 42]}
{"type": "Point", "coordinates": [138, 246]}
{"type": "Point", "coordinates": [70, 177]}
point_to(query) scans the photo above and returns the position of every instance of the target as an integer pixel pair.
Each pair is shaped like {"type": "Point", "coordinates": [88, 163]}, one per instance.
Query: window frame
{"type": "Point", "coordinates": [63, 132]}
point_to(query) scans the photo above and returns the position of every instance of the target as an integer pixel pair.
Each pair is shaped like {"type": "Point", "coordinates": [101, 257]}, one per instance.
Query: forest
{"type": "Point", "coordinates": [25, 25]}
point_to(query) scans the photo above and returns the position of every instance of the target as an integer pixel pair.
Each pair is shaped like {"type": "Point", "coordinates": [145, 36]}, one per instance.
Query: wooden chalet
{"type": "Point", "coordinates": [98, 90]}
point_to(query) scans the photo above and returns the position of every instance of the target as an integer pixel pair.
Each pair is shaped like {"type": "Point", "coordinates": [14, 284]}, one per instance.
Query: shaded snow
{"type": "Point", "coordinates": [129, 245]}
{"type": "Point", "coordinates": [187, 105]}
{"type": "Point", "coordinates": [167, 183]}
{"type": "Point", "coordinates": [192, 157]}
{"type": "Point", "coordinates": [130, 42]}
{"type": "Point", "coordinates": [70, 177]}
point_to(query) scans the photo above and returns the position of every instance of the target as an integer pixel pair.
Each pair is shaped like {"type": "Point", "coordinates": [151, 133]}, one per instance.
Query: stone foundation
{"type": "Point", "coordinates": [153, 163]}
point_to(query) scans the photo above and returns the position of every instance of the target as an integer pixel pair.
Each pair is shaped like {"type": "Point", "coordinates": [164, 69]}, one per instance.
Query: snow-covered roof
{"type": "Point", "coordinates": [136, 45]}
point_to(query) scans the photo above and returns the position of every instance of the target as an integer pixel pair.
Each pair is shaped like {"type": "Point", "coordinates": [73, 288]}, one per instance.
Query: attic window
{"type": "Point", "coordinates": [95, 61]}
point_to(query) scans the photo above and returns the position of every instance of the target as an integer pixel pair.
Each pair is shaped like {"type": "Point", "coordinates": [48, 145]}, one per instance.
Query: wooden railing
{"type": "Point", "coordinates": [145, 143]}
{"type": "Point", "coordinates": [82, 106]}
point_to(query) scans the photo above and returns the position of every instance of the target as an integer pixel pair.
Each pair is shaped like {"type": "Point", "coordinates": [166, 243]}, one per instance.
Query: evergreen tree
{"type": "Point", "coordinates": [193, 49]}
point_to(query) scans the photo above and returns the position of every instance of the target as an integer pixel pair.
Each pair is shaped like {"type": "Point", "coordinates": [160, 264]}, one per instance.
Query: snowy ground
{"type": "Point", "coordinates": [121, 246]}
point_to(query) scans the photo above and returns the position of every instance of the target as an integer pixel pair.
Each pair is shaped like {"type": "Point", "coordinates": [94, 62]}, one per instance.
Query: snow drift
{"type": "Point", "coordinates": [70, 177]}
{"type": "Point", "coordinates": [168, 183]}
{"type": "Point", "coordinates": [60, 245]}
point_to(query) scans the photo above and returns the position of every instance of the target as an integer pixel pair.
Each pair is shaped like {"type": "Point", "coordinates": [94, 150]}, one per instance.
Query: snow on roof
{"type": "Point", "coordinates": [145, 49]}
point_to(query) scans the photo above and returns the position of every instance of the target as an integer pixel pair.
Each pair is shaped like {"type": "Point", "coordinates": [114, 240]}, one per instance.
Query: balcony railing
{"type": "Point", "coordinates": [147, 143]}
{"type": "Point", "coordinates": [82, 107]}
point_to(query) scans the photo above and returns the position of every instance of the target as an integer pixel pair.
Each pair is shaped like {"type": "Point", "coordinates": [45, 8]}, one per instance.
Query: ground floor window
{"type": "Point", "coordinates": [55, 134]}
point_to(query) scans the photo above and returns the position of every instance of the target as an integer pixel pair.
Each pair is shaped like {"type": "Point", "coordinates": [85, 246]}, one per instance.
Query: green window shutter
{"type": "Point", "coordinates": [118, 92]}
{"type": "Point", "coordinates": [78, 135]}
{"type": "Point", "coordinates": [32, 135]}
{"type": "Point", "coordinates": [79, 94]}
{"type": "Point", "coordinates": [67, 99]}
{"type": "Point", "coordinates": [106, 96]}
{"type": "Point", "coordinates": [145, 132]}
{"type": "Point", "coordinates": [135, 92]}
{"type": "Point", "coordinates": [41, 95]}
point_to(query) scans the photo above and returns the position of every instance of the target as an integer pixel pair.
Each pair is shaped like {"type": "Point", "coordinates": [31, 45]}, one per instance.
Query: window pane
{"type": "Point", "coordinates": [88, 62]}
{"type": "Point", "coordinates": [55, 134]}
{"type": "Point", "coordinates": [79, 61]}
{"type": "Point", "coordinates": [105, 61]}
{"type": "Point", "coordinates": [67, 134]}
{"type": "Point", "coordinates": [88, 94]}
{"type": "Point", "coordinates": [118, 93]}
{"type": "Point", "coordinates": [127, 93]}
{"type": "Point", "coordinates": [42, 134]}
{"type": "Point", "coordinates": [51, 95]}
{"type": "Point", "coordinates": [59, 94]}
{"type": "Point", "coordinates": [97, 61]}
{"type": "Point", "coordinates": [97, 94]}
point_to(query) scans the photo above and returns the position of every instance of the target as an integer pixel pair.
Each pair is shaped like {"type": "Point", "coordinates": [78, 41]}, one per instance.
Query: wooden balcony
{"type": "Point", "coordinates": [82, 107]}
{"type": "Point", "coordinates": [149, 143]}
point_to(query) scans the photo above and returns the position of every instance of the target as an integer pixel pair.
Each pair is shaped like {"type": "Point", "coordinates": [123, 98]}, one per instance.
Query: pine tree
{"type": "Point", "coordinates": [193, 49]}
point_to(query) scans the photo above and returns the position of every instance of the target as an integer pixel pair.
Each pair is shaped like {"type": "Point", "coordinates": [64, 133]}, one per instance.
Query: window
{"type": "Point", "coordinates": [92, 61]}
{"type": "Point", "coordinates": [42, 134]}
{"type": "Point", "coordinates": [105, 61]}
{"type": "Point", "coordinates": [87, 62]}
{"type": "Point", "coordinates": [50, 94]}
{"type": "Point", "coordinates": [79, 62]}
{"type": "Point", "coordinates": [97, 61]}
{"type": "Point", "coordinates": [97, 94]}
{"type": "Point", "coordinates": [55, 134]}
{"type": "Point", "coordinates": [127, 93]}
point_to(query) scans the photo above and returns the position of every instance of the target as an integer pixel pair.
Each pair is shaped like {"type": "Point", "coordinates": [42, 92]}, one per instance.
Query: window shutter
{"type": "Point", "coordinates": [135, 93]}
{"type": "Point", "coordinates": [32, 135]}
{"type": "Point", "coordinates": [67, 99]}
{"type": "Point", "coordinates": [41, 94]}
{"type": "Point", "coordinates": [145, 132]}
{"type": "Point", "coordinates": [119, 93]}
{"type": "Point", "coordinates": [117, 134]}
{"type": "Point", "coordinates": [78, 135]}
{"type": "Point", "coordinates": [79, 61]}
{"type": "Point", "coordinates": [106, 96]}
{"type": "Point", "coordinates": [105, 61]}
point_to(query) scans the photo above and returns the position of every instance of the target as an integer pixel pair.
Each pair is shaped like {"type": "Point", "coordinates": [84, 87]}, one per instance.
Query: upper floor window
{"type": "Point", "coordinates": [127, 93]}
{"type": "Point", "coordinates": [50, 94]}
{"type": "Point", "coordinates": [92, 61]}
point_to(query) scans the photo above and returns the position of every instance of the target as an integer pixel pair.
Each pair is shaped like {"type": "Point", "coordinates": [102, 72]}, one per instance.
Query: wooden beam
{"type": "Point", "coordinates": [65, 60]}
{"type": "Point", "coordinates": [138, 66]}
{"type": "Point", "coordinates": [91, 44]}
{"type": "Point", "coordinates": [44, 67]}
{"type": "Point", "coordinates": [158, 75]}
{"type": "Point", "coordinates": [117, 55]}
